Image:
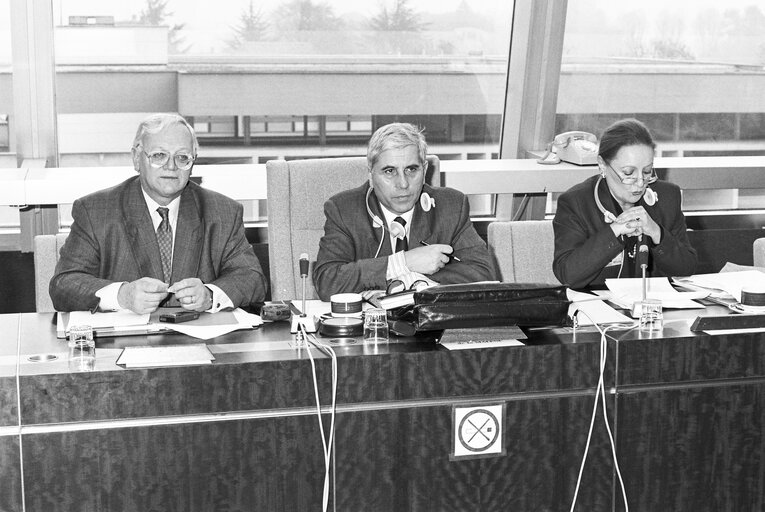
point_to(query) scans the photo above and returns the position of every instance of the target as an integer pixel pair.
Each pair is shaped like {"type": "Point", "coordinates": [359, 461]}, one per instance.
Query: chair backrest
{"type": "Point", "coordinates": [523, 250]}
{"type": "Point", "coordinates": [297, 190]}
{"type": "Point", "coordinates": [758, 252]}
{"type": "Point", "coordinates": [47, 249]}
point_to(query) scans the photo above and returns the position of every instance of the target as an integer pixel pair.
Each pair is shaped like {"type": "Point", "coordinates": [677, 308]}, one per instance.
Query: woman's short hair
{"type": "Point", "coordinates": [396, 136]}
{"type": "Point", "coordinates": [155, 123]}
{"type": "Point", "coordinates": [625, 132]}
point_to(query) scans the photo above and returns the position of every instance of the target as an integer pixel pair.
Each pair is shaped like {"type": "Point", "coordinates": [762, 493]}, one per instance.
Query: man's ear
{"type": "Point", "coordinates": [136, 153]}
{"type": "Point", "coordinates": [371, 185]}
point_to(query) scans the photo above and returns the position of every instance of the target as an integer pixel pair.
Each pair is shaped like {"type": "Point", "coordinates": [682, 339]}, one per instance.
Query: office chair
{"type": "Point", "coordinates": [523, 250]}
{"type": "Point", "coordinates": [297, 190]}
{"type": "Point", "coordinates": [47, 249]}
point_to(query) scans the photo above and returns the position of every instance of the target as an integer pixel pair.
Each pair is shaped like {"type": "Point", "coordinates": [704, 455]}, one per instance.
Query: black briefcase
{"type": "Point", "coordinates": [490, 304]}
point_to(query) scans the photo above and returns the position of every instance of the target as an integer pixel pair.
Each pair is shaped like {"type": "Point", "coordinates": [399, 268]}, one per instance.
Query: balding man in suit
{"type": "Point", "coordinates": [156, 234]}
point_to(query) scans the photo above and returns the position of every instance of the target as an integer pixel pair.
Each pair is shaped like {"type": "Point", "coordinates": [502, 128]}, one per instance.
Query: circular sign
{"type": "Point", "coordinates": [478, 430]}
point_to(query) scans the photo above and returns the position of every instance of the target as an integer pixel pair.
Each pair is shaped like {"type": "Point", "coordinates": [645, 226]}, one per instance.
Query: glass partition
{"type": "Point", "coordinates": [281, 78]}
{"type": "Point", "coordinates": [693, 71]}
{"type": "Point", "coordinates": [9, 215]}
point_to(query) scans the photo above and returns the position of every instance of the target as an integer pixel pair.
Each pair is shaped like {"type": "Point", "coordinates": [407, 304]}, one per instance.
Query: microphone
{"type": "Point", "coordinates": [304, 267]}
{"type": "Point", "coordinates": [303, 276]}
{"type": "Point", "coordinates": [303, 319]}
{"type": "Point", "coordinates": [642, 257]}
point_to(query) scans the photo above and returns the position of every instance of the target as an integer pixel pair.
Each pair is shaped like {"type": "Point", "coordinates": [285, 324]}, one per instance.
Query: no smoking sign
{"type": "Point", "coordinates": [477, 431]}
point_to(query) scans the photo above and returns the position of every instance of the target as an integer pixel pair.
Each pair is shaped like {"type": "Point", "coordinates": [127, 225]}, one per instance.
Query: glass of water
{"type": "Point", "coordinates": [375, 326]}
{"type": "Point", "coordinates": [82, 349]}
{"type": "Point", "coordinates": [651, 316]}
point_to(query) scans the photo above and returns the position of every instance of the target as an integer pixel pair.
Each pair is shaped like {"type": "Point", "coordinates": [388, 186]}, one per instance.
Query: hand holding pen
{"type": "Point", "coordinates": [422, 242]}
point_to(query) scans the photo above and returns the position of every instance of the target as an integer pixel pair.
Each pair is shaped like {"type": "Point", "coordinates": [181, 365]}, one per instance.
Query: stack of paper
{"type": "Point", "coordinates": [592, 310]}
{"type": "Point", "coordinates": [729, 283]}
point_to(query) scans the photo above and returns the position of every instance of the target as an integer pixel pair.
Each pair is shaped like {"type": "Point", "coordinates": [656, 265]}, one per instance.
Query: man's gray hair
{"type": "Point", "coordinates": [396, 136]}
{"type": "Point", "coordinates": [155, 123]}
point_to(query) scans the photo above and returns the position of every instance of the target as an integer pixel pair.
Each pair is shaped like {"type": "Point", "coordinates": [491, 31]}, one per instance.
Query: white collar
{"type": "Point", "coordinates": [173, 208]}
{"type": "Point", "coordinates": [391, 216]}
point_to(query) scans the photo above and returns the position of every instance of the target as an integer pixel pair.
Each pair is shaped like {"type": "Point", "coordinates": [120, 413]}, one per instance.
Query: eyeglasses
{"type": "Point", "coordinates": [396, 286]}
{"type": "Point", "coordinates": [645, 178]}
{"type": "Point", "coordinates": [160, 158]}
{"type": "Point", "coordinates": [391, 172]}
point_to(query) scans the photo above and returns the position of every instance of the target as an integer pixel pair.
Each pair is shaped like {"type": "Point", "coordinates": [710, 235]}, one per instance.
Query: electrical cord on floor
{"type": "Point", "coordinates": [326, 441]}
{"type": "Point", "coordinates": [600, 393]}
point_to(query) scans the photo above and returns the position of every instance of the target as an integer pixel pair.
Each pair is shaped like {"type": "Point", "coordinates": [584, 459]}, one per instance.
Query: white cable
{"type": "Point", "coordinates": [600, 392]}
{"type": "Point", "coordinates": [382, 237]}
{"type": "Point", "coordinates": [330, 446]}
{"type": "Point", "coordinates": [326, 444]}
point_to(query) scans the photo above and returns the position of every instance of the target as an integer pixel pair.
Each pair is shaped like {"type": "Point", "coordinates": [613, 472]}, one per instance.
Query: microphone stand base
{"type": "Point", "coordinates": [309, 322]}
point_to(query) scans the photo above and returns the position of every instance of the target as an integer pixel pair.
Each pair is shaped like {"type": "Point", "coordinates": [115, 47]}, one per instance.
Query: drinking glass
{"type": "Point", "coordinates": [375, 326]}
{"type": "Point", "coordinates": [82, 349]}
{"type": "Point", "coordinates": [651, 316]}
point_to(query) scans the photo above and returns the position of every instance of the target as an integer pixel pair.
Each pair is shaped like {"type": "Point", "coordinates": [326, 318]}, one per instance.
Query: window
{"type": "Point", "coordinates": [271, 77]}
{"type": "Point", "coordinates": [675, 66]}
{"type": "Point", "coordinates": [9, 215]}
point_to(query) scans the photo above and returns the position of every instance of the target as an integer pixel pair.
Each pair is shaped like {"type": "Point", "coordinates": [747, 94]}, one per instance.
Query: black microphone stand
{"type": "Point", "coordinates": [308, 322]}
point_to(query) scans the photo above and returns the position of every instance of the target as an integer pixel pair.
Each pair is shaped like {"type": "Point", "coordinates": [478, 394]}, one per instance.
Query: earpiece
{"type": "Point", "coordinates": [650, 197]}
{"type": "Point", "coordinates": [427, 202]}
{"type": "Point", "coordinates": [397, 230]}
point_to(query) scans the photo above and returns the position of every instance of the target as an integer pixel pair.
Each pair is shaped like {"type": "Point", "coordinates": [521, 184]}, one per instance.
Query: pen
{"type": "Point", "coordinates": [455, 258]}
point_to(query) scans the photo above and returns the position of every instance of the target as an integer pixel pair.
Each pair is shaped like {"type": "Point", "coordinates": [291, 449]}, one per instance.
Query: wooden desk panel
{"type": "Point", "coordinates": [394, 459]}
{"type": "Point", "coordinates": [241, 432]}
{"type": "Point", "coordinates": [10, 474]}
{"type": "Point", "coordinates": [250, 379]}
{"type": "Point", "coordinates": [700, 448]}
{"type": "Point", "coordinates": [9, 335]}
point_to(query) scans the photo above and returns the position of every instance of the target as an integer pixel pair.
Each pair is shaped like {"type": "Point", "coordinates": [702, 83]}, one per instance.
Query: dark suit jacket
{"type": "Point", "coordinates": [113, 239]}
{"type": "Point", "coordinates": [346, 261]}
{"type": "Point", "coordinates": [585, 244]}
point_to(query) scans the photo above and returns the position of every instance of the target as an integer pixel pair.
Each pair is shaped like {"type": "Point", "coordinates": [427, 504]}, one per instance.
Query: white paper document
{"type": "Point", "coordinates": [211, 325]}
{"type": "Point", "coordinates": [482, 337]}
{"type": "Point", "coordinates": [728, 282]}
{"type": "Point", "coordinates": [107, 319]}
{"type": "Point", "coordinates": [166, 355]}
{"type": "Point", "coordinates": [593, 310]}
{"type": "Point", "coordinates": [626, 292]}
{"type": "Point", "coordinates": [207, 326]}
{"type": "Point", "coordinates": [313, 307]}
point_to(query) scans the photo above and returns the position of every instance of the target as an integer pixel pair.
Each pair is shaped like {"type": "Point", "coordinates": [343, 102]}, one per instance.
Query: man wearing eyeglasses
{"type": "Point", "coordinates": [157, 238]}
{"type": "Point", "coordinates": [601, 224]}
{"type": "Point", "coordinates": [397, 229]}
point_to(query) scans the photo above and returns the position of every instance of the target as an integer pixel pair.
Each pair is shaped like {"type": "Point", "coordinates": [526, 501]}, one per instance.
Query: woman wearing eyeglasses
{"type": "Point", "coordinates": [601, 223]}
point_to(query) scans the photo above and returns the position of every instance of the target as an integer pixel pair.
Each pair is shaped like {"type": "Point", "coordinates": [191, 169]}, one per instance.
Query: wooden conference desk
{"type": "Point", "coordinates": [688, 412]}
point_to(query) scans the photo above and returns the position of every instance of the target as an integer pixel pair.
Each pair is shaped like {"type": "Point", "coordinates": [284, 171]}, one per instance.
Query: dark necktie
{"type": "Point", "coordinates": [401, 243]}
{"type": "Point", "coordinates": [165, 241]}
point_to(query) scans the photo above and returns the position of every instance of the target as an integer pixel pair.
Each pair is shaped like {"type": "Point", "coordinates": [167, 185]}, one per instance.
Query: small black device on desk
{"type": "Point", "coordinates": [275, 312]}
{"type": "Point", "coordinates": [178, 317]}
{"type": "Point", "coordinates": [712, 323]}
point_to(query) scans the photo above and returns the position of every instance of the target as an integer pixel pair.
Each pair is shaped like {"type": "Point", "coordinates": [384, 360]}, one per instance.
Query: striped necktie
{"type": "Point", "coordinates": [401, 243]}
{"type": "Point", "coordinates": [165, 241]}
